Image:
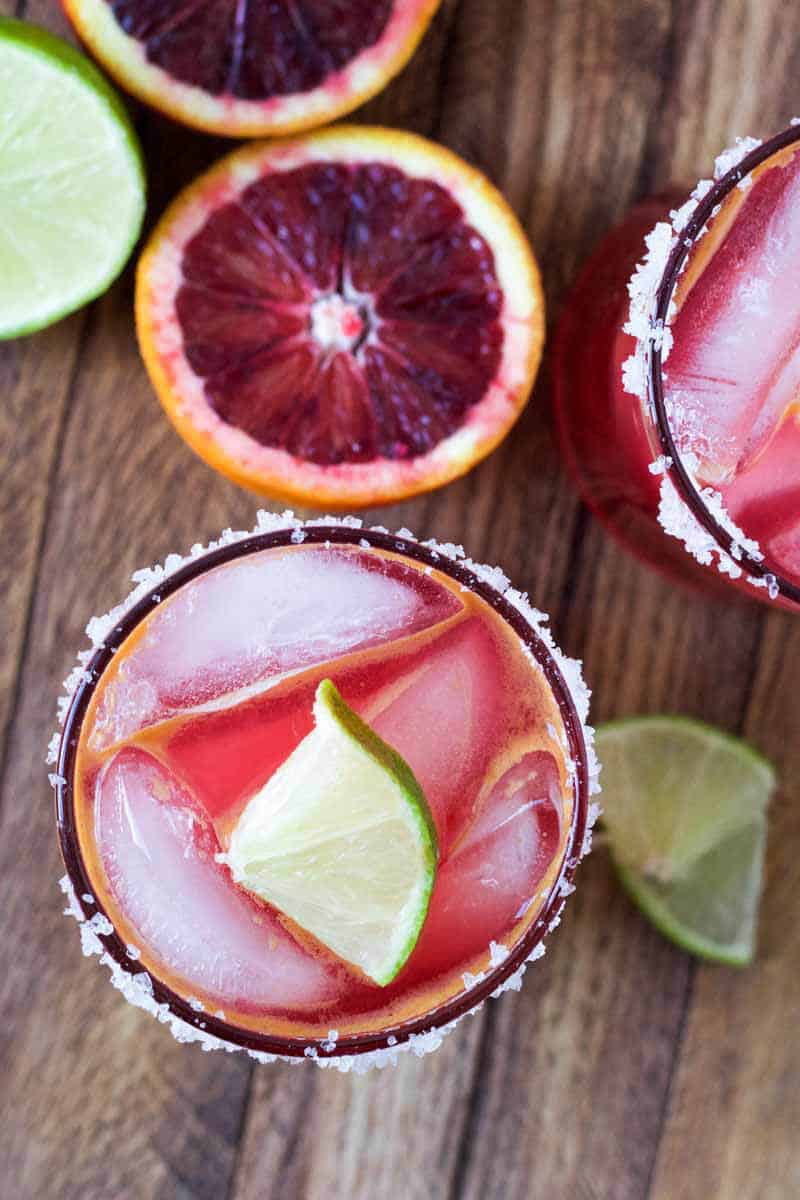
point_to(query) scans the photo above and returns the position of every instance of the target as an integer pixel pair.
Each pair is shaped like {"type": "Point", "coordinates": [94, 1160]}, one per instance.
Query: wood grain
{"type": "Point", "coordinates": [35, 382]}
{"type": "Point", "coordinates": [740, 1059]}
{"type": "Point", "coordinates": [622, 1071]}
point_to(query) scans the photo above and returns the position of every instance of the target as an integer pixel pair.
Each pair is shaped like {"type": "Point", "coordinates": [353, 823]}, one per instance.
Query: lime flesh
{"type": "Point", "coordinates": [685, 814]}
{"type": "Point", "coordinates": [72, 187]}
{"type": "Point", "coordinates": [341, 840]}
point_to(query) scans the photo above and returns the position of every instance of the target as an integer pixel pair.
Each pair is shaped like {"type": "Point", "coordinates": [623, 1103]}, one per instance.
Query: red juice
{"type": "Point", "coordinates": [702, 446]}
{"type": "Point", "coordinates": [209, 691]}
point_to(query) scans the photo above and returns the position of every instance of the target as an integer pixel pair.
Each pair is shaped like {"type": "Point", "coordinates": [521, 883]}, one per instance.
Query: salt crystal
{"type": "Point", "coordinates": [634, 375]}
{"type": "Point", "coordinates": [498, 953]}
{"type": "Point", "coordinates": [53, 747]}
{"type": "Point", "coordinates": [512, 984]}
{"type": "Point", "coordinates": [730, 158]}
{"type": "Point", "coordinates": [100, 924]}
{"type": "Point", "coordinates": [425, 1043]}
{"type": "Point", "coordinates": [73, 908]}
{"type": "Point", "coordinates": [90, 942]}
{"type": "Point", "coordinates": [594, 812]}
{"type": "Point", "coordinates": [680, 217]}
{"type": "Point", "coordinates": [555, 920]}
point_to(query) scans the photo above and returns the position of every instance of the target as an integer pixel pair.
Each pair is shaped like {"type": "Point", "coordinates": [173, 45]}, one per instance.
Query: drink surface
{"type": "Point", "coordinates": [214, 689]}
{"type": "Point", "coordinates": [732, 378]}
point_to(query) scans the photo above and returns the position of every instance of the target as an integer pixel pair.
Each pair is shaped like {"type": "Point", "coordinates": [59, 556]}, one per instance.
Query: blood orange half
{"type": "Point", "coordinates": [246, 68]}
{"type": "Point", "coordinates": [343, 319]}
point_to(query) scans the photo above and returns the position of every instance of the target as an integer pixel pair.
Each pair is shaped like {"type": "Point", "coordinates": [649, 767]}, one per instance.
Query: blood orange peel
{"type": "Point", "coordinates": [251, 70]}
{"type": "Point", "coordinates": [344, 319]}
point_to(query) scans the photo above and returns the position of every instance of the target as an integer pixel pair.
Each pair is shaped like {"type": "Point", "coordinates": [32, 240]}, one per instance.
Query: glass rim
{"type": "Point", "coordinates": [391, 1037]}
{"type": "Point", "coordinates": [686, 485]}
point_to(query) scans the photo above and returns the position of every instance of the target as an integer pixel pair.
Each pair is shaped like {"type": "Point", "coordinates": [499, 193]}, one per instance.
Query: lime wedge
{"type": "Point", "coordinates": [341, 840]}
{"type": "Point", "coordinates": [71, 180]}
{"type": "Point", "coordinates": [685, 813]}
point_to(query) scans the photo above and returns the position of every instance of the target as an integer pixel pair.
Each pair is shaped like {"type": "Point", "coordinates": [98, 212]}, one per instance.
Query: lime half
{"type": "Point", "coordinates": [341, 840]}
{"type": "Point", "coordinates": [685, 813]}
{"type": "Point", "coordinates": [71, 180]}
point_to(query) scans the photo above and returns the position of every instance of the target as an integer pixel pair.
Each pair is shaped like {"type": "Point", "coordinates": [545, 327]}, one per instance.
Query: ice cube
{"type": "Point", "coordinates": [734, 365]}
{"type": "Point", "coordinates": [157, 850]}
{"type": "Point", "coordinates": [256, 617]}
{"type": "Point", "coordinates": [493, 875]}
{"type": "Point", "coordinates": [446, 719]}
{"type": "Point", "coordinates": [764, 499]}
{"type": "Point", "coordinates": [435, 698]}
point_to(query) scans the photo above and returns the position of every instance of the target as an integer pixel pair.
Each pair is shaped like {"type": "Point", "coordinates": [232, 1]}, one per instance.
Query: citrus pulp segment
{"type": "Point", "coordinates": [341, 840]}
{"type": "Point", "coordinates": [249, 70]}
{"type": "Point", "coordinates": [343, 319]}
{"type": "Point", "coordinates": [685, 810]}
{"type": "Point", "coordinates": [71, 180]}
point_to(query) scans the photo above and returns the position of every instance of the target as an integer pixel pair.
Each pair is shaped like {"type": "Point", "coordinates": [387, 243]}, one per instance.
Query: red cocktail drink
{"type": "Point", "coordinates": [203, 689]}
{"type": "Point", "coordinates": [676, 394]}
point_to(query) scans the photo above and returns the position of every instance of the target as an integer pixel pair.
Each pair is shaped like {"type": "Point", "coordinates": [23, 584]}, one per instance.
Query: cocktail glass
{"type": "Point", "coordinates": [202, 683]}
{"type": "Point", "coordinates": [676, 393]}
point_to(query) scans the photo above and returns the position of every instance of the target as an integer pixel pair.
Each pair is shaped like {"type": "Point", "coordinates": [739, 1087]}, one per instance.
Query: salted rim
{"type": "Point", "coordinates": [187, 1020]}
{"type": "Point", "coordinates": [707, 530]}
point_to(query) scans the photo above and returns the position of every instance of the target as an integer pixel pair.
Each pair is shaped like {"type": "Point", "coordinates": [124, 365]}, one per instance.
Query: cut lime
{"type": "Point", "coordinates": [71, 180]}
{"type": "Point", "coordinates": [685, 812]}
{"type": "Point", "coordinates": [341, 840]}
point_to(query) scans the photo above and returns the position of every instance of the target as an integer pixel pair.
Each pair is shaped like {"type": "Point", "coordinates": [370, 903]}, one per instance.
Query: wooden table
{"type": "Point", "coordinates": [624, 1069]}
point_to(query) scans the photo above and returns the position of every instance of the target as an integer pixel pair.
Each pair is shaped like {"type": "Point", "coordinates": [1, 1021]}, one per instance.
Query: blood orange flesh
{"type": "Point", "coordinates": [252, 67]}
{"type": "Point", "coordinates": [259, 50]}
{"type": "Point", "coordinates": [346, 319]}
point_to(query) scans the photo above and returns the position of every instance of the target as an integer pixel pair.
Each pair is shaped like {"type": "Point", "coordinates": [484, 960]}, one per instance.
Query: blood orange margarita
{"type": "Point", "coordinates": [200, 689]}
{"type": "Point", "coordinates": [679, 404]}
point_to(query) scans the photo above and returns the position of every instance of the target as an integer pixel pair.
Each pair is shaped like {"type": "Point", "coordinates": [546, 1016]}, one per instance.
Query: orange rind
{"type": "Point", "coordinates": [341, 320]}
{"type": "Point", "coordinates": [255, 70]}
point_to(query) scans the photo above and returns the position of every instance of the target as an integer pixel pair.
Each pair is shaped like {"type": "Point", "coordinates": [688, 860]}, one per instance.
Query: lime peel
{"type": "Point", "coordinates": [72, 181]}
{"type": "Point", "coordinates": [341, 840]}
{"type": "Point", "coordinates": [685, 815]}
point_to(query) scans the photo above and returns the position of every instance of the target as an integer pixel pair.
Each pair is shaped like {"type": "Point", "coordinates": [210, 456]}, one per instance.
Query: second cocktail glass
{"type": "Point", "coordinates": [677, 403]}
